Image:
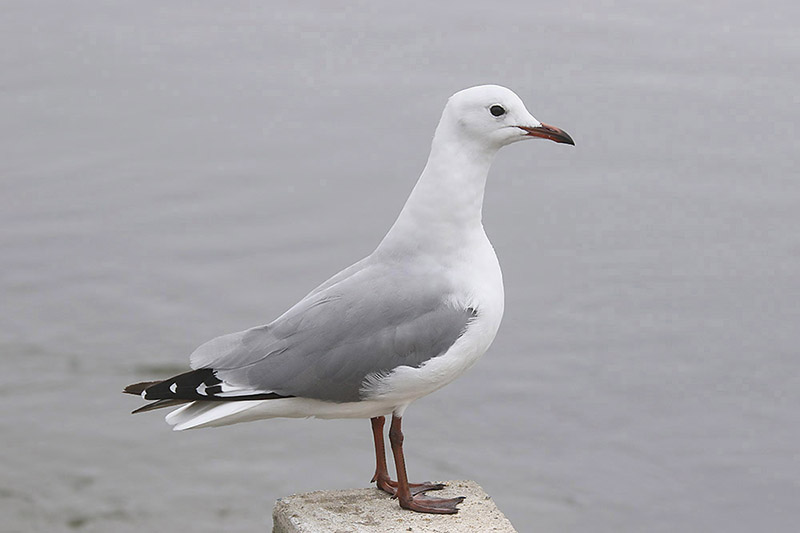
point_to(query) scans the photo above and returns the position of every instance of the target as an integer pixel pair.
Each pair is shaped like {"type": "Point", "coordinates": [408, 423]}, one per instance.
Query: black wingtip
{"type": "Point", "coordinates": [196, 385]}
{"type": "Point", "coordinates": [158, 404]}
{"type": "Point", "coordinates": [139, 388]}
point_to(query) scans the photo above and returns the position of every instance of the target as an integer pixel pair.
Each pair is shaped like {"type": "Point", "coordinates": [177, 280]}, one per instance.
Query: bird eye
{"type": "Point", "coordinates": [497, 110]}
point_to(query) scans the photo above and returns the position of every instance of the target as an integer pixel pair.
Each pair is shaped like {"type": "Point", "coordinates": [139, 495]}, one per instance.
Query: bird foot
{"type": "Point", "coordinates": [390, 486]}
{"type": "Point", "coordinates": [425, 504]}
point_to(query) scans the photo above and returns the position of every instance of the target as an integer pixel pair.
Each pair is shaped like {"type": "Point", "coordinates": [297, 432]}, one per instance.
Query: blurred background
{"type": "Point", "coordinates": [175, 171]}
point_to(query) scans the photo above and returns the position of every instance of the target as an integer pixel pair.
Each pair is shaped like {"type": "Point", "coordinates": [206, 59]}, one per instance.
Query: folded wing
{"type": "Point", "coordinates": [366, 323]}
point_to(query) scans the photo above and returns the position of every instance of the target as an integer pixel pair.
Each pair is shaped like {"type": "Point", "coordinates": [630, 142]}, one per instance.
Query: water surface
{"type": "Point", "coordinates": [174, 172]}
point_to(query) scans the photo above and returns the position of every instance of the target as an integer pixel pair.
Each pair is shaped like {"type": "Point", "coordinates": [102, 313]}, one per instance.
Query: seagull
{"type": "Point", "coordinates": [396, 326]}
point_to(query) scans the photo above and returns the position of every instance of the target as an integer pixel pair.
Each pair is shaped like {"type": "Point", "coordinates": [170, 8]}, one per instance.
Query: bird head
{"type": "Point", "coordinates": [494, 116]}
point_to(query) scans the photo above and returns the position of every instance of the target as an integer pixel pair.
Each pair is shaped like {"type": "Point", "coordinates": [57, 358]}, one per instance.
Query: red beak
{"type": "Point", "coordinates": [545, 131]}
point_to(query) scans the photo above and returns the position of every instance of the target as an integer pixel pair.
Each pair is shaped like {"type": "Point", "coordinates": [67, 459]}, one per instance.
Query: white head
{"type": "Point", "coordinates": [493, 116]}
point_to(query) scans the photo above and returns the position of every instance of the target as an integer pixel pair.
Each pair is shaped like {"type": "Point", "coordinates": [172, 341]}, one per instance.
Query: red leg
{"type": "Point", "coordinates": [381, 471]}
{"type": "Point", "coordinates": [381, 477]}
{"type": "Point", "coordinates": [414, 502]}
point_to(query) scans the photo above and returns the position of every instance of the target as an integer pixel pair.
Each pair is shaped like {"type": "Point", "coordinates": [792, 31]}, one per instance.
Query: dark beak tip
{"type": "Point", "coordinates": [560, 136]}
{"type": "Point", "coordinates": [546, 131]}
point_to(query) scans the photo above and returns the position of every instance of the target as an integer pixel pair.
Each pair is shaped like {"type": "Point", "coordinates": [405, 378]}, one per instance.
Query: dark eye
{"type": "Point", "coordinates": [497, 110]}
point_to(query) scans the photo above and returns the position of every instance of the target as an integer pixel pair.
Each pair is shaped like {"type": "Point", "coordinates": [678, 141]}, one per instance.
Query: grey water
{"type": "Point", "coordinates": [170, 172]}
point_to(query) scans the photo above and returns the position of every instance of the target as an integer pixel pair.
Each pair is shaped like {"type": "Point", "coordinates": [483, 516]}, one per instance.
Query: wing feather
{"type": "Point", "coordinates": [371, 318]}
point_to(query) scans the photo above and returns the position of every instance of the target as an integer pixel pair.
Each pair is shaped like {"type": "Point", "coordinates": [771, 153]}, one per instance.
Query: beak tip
{"type": "Point", "coordinates": [546, 131]}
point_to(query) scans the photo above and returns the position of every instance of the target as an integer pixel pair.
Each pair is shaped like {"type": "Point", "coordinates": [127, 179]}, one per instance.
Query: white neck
{"type": "Point", "coordinates": [444, 210]}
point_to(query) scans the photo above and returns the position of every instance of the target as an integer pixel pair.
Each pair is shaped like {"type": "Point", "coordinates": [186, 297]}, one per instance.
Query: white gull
{"type": "Point", "coordinates": [397, 325]}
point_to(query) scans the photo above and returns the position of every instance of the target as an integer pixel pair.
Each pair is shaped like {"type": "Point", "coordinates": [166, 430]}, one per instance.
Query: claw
{"type": "Point", "coordinates": [426, 504]}
{"type": "Point", "coordinates": [390, 486]}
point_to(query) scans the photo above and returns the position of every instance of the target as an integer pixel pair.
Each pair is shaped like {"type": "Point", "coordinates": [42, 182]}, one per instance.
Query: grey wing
{"type": "Point", "coordinates": [373, 320]}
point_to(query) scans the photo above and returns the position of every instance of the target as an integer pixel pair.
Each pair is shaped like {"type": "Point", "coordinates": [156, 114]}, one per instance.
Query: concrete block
{"type": "Point", "coordinates": [371, 510]}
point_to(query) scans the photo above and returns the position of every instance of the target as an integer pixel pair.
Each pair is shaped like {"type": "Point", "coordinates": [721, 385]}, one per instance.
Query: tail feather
{"type": "Point", "coordinates": [206, 414]}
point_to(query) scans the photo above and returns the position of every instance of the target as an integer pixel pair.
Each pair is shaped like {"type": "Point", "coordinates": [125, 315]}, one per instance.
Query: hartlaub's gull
{"type": "Point", "coordinates": [397, 325]}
